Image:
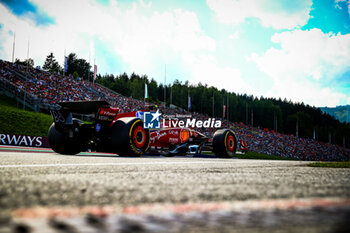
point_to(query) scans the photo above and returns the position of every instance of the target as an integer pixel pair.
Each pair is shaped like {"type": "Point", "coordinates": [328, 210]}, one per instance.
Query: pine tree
{"type": "Point", "coordinates": [51, 64]}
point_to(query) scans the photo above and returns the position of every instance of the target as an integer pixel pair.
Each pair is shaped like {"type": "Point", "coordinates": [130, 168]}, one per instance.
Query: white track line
{"type": "Point", "coordinates": [110, 164]}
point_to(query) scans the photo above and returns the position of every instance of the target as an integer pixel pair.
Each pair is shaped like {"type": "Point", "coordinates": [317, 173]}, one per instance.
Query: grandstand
{"type": "Point", "coordinates": [40, 90]}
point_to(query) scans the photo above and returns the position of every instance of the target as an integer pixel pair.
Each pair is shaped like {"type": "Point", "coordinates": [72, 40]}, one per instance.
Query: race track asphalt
{"type": "Point", "coordinates": [94, 192]}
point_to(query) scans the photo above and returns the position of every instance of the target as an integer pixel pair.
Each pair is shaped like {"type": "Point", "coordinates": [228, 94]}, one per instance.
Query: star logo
{"type": "Point", "coordinates": [151, 120]}
{"type": "Point", "coordinates": [155, 115]}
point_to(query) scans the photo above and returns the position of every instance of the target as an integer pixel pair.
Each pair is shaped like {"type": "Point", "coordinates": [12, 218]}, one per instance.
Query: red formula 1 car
{"type": "Point", "coordinates": [124, 133]}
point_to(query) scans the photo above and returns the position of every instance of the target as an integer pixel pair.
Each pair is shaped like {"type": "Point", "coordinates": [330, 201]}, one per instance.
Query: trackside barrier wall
{"type": "Point", "coordinates": [24, 140]}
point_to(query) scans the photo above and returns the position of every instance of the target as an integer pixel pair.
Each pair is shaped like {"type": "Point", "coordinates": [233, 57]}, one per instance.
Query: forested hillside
{"type": "Point", "coordinates": [342, 113]}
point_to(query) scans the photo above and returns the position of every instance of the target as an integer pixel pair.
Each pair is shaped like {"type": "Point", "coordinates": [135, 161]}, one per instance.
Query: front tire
{"type": "Point", "coordinates": [224, 143]}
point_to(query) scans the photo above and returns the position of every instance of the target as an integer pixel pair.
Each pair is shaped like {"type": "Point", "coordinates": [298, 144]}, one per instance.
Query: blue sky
{"type": "Point", "coordinates": [298, 50]}
{"type": "Point", "coordinates": [24, 8]}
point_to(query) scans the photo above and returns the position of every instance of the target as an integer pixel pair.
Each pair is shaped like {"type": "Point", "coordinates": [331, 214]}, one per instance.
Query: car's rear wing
{"type": "Point", "coordinates": [63, 115]}
{"type": "Point", "coordinates": [83, 107]}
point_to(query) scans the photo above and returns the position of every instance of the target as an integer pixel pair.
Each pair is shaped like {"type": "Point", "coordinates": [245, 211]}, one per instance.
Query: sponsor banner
{"type": "Point", "coordinates": [65, 64]}
{"type": "Point", "coordinates": [95, 71]}
{"type": "Point", "coordinates": [24, 140]}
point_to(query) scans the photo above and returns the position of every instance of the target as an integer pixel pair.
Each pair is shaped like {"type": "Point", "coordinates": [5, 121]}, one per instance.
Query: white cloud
{"type": "Point", "coordinates": [43, 40]}
{"type": "Point", "coordinates": [271, 13]}
{"type": "Point", "coordinates": [306, 62]}
{"type": "Point", "coordinates": [205, 69]}
{"type": "Point", "coordinates": [143, 39]}
{"type": "Point", "coordinates": [307, 92]}
{"type": "Point", "coordinates": [234, 36]}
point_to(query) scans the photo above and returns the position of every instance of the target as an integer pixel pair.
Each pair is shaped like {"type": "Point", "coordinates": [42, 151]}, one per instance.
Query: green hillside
{"type": "Point", "coordinates": [342, 113]}
{"type": "Point", "coordinates": [18, 121]}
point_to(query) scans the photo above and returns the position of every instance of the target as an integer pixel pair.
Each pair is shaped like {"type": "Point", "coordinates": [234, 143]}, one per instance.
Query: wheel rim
{"type": "Point", "coordinates": [139, 137]}
{"type": "Point", "coordinates": [230, 143]}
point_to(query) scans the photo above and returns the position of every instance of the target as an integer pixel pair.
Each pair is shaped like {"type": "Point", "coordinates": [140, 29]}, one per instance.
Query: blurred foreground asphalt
{"type": "Point", "coordinates": [92, 192]}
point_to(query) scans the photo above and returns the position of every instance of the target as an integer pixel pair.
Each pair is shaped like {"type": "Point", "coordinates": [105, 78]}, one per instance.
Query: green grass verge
{"type": "Point", "coordinates": [17, 121]}
{"type": "Point", "coordinates": [331, 164]}
{"type": "Point", "coordinates": [255, 155]}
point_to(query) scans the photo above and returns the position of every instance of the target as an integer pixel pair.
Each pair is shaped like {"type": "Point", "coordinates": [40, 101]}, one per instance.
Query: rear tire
{"type": "Point", "coordinates": [129, 138]}
{"type": "Point", "coordinates": [224, 143]}
{"type": "Point", "coordinates": [61, 143]}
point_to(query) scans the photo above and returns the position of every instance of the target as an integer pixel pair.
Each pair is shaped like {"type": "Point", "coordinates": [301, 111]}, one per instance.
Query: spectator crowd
{"type": "Point", "coordinates": [288, 146]}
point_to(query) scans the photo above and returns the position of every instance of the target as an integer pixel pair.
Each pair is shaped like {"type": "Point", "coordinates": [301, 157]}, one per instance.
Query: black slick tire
{"type": "Point", "coordinates": [61, 143]}
{"type": "Point", "coordinates": [129, 138]}
{"type": "Point", "coordinates": [224, 143]}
